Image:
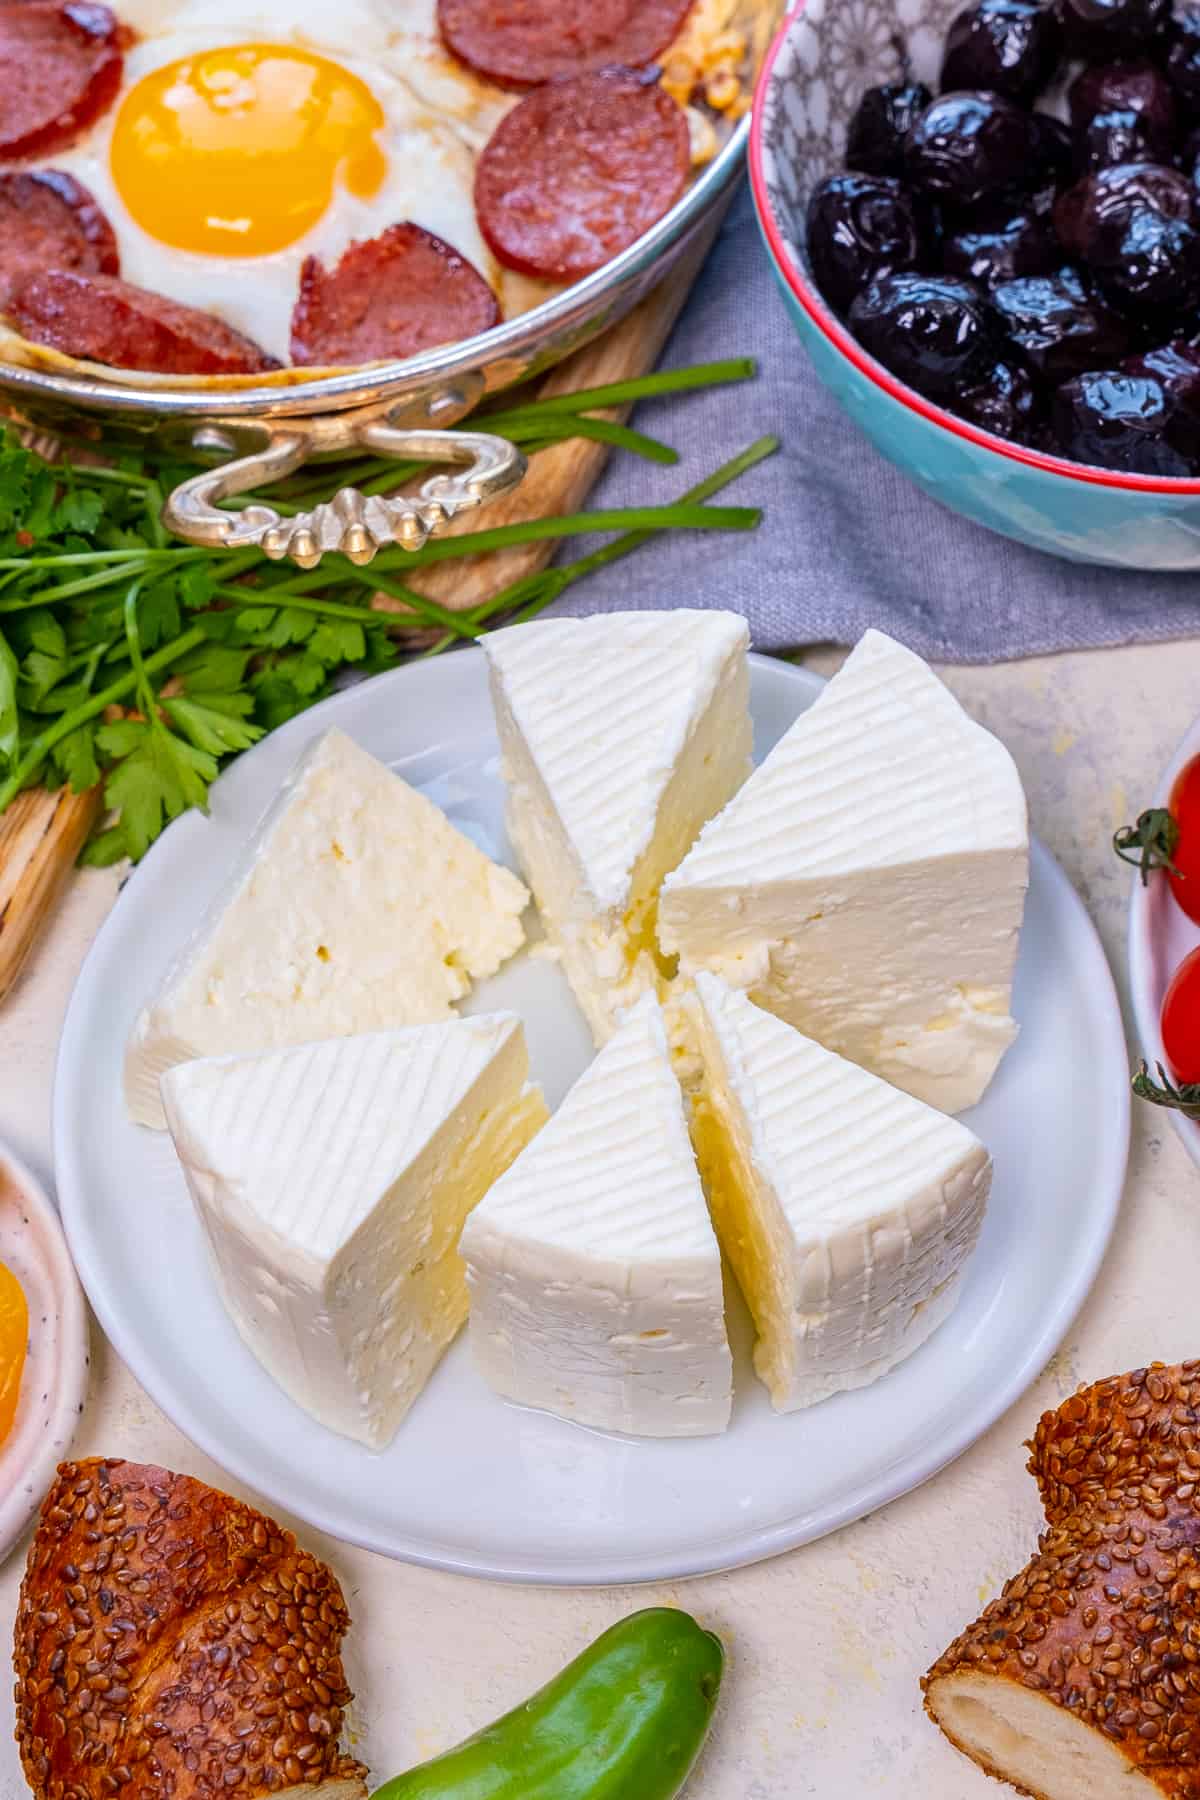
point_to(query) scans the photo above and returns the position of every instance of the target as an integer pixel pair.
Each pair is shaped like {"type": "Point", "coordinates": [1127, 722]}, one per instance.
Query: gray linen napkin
{"type": "Point", "coordinates": [846, 541]}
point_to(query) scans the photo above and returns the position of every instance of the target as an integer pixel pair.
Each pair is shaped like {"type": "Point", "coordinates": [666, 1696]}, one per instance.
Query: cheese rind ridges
{"type": "Point", "coordinates": [333, 1180]}
{"type": "Point", "coordinates": [356, 907]}
{"type": "Point", "coordinates": [868, 882]}
{"type": "Point", "coordinates": [846, 1208]}
{"type": "Point", "coordinates": [595, 1277]}
{"type": "Point", "coordinates": [620, 735]}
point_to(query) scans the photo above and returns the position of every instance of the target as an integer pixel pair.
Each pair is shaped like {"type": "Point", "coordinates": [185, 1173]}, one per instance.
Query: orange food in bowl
{"type": "Point", "coordinates": [14, 1339]}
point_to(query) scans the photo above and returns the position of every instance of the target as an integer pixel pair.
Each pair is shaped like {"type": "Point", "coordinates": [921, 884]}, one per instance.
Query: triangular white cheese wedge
{"type": "Point", "coordinates": [620, 735]}
{"type": "Point", "coordinates": [595, 1276]}
{"type": "Point", "coordinates": [846, 1208]}
{"type": "Point", "coordinates": [356, 907]}
{"type": "Point", "coordinates": [333, 1180]}
{"type": "Point", "coordinates": [868, 882]}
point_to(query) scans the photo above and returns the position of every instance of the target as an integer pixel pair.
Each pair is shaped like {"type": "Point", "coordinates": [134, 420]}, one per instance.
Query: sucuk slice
{"type": "Point", "coordinates": [49, 221]}
{"type": "Point", "coordinates": [60, 69]}
{"type": "Point", "coordinates": [578, 171]}
{"type": "Point", "coordinates": [527, 42]}
{"type": "Point", "coordinates": [102, 319]}
{"type": "Point", "coordinates": [394, 295]}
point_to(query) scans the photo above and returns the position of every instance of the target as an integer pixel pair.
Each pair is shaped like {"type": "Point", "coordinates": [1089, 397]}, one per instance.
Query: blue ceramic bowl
{"type": "Point", "coordinates": [826, 53]}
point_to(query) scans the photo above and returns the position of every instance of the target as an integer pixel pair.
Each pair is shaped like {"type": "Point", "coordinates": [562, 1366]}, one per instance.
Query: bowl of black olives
{"type": "Point", "coordinates": [985, 221]}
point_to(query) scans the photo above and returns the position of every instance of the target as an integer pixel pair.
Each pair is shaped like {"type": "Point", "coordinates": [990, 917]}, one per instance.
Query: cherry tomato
{"type": "Point", "coordinates": [1181, 1020]}
{"type": "Point", "coordinates": [1185, 809]}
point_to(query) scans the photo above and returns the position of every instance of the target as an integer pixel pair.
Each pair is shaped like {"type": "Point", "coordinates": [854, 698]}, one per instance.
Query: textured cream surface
{"type": "Point", "coordinates": [620, 735]}
{"type": "Point", "coordinates": [357, 907]}
{"type": "Point", "coordinates": [846, 1207]}
{"type": "Point", "coordinates": [826, 1644]}
{"type": "Point", "coordinates": [867, 884]}
{"type": "Point", "coordinates": [333, 1180]}
{"type": "Point", "coordinates": [595, 1277]}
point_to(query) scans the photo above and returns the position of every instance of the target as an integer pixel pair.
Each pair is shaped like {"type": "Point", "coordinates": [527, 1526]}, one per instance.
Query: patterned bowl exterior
{"type": "Point", "coordinates": [826, 53]}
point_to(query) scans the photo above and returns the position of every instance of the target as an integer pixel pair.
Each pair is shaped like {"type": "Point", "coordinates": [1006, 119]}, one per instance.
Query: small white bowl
{"type": "Point", "coordinates": [1160, 936]}
{"type": "Point", "coordinates": [55, 1377]}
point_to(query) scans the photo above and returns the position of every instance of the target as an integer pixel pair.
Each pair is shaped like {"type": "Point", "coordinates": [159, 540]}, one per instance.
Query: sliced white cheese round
{"type": "Point", "coordinates": [595, 1277]}
{"type": "Point", "coordinates": [846, 1207]}
{"type": "Point", "coordinates": [868, 882]}
{"type": "Point", "coordinates": [332, 1180]}
{"type": "Point", "coordinates": [620, 735]}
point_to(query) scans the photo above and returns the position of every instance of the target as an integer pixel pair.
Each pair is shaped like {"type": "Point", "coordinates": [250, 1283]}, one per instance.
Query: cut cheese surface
{"type": "Point", "coordinates": [594, 1273]}
{"type": "Point", "coordinates": [333, 1180]}
{"type": "Point", "coordinates": [356, 907]}
{"type": "Point", "coordinates": [620, 735]}
{"type": "Point", "coordinates": [868, 882]}
{"type": "Point", "coordinates": [846, 1208]}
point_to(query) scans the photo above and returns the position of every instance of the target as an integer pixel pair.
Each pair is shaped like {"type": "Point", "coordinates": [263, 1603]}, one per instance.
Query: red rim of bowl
{"type": "Point", "coordinates": [831, 328]}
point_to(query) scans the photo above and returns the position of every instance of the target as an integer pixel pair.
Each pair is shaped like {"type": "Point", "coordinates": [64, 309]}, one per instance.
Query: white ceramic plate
{"type": "Point", "coordinates": [1160, 936]}
{"type": "Point", "coordinates": [54, 1380]}
{"type": "Point", "coordinates": [476, 1485]}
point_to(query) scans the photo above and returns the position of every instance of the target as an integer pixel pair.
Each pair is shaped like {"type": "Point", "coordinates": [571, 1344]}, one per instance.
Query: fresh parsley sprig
{"type": "Point", "coordinates": [131, 658]}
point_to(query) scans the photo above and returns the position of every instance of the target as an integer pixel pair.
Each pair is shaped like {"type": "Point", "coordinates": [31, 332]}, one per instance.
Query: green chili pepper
{"type": "Point", "coordinates": [624, 1721]}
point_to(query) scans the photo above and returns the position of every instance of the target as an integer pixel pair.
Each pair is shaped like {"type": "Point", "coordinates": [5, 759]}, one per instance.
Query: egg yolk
{"type": "Point", "coordinates": [14, 1337]}
{"type": "Point", "coordinates": [236, 152]}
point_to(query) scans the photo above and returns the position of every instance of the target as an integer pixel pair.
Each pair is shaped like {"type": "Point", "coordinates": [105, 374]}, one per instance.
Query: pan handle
{"type": "Point", "coordinates": [355, 524]}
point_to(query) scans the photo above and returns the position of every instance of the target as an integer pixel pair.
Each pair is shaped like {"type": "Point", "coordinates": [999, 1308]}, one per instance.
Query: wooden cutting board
{"type": "Point", "coordinates": [42, 833]}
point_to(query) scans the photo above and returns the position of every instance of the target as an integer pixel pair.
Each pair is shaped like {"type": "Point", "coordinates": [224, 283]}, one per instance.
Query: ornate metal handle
{"type": "Point", "coordinates": [355, 524]}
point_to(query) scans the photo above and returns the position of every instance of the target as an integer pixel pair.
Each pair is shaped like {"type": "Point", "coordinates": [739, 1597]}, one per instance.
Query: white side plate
{"type": "Point", "coordinates": [1160, 936]}
{"type": "Point", "coordinates": [475, 1485]}
{"type": "Point", "coordinates": [54, 1380]}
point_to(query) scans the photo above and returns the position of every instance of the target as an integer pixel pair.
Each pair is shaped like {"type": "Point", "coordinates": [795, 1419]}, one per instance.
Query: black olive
{"type": "Point", "coordinates": [934, 331]}
{"type": "Point", "coordinates": [1119, 421]}
{"type": "Point", "coordinates": [1112, 28]}
{"type": "Point", "coordinates": [1004, 401]}
{"type": "Point", "coordinates": [1177, 366]}
{"type": "Point", "coordinates": [1122, 112]}
{"type": "Point", "coordinates": [859, 226]}
{"type": "Point", "coordinates": [1064, 249]}
{"type": "Point", "coordinates": [1116, 137]}
{"type": "Point", "coordinates": [1151, 268]}
{"type": "Point", "coordinates": [1183, 57]}
{"type": "Point", "coordinates": [885, 116]}
{"type": "Point", "coordinates": [1099, 207]}
{"type": "Point", "coordinates": [1059, 329]}
{"type": "Point", "coordinates": [967, 145]}
{"type": "Point", "coordinates": [1110, 87]}
{"type": "Point", "coordinates": [1013, 242]}
{"type": "Point", "coordinates": [1008, 46]}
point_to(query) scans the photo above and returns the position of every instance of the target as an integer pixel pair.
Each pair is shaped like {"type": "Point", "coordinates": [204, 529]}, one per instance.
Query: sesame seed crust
{"type": "Point", "coordinates": [174, 1644]}
{"type": "Point", "coordinates": [1104, 1621]}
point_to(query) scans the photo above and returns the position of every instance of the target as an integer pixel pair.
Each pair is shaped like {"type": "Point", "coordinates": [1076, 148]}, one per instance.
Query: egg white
{"type": "Point", "coordinates": [436, 119]}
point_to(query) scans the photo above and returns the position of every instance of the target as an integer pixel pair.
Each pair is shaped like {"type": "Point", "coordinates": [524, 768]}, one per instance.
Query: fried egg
{"type": "Point", "coordinates": [250, 134]}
